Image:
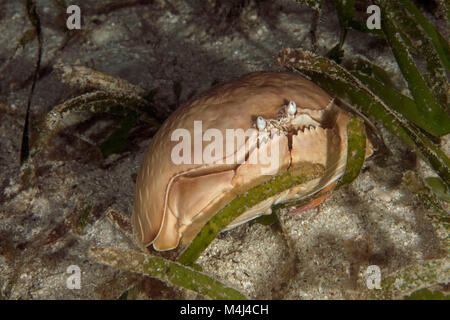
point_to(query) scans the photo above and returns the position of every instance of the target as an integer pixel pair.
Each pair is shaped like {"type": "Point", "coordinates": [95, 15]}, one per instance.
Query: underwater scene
{"type": "Point", "coordinates": [224, 150]}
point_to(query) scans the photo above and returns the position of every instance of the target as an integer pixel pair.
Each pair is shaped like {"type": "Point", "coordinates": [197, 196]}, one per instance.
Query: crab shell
{"type": "Point", "coordinates": [173, 201]}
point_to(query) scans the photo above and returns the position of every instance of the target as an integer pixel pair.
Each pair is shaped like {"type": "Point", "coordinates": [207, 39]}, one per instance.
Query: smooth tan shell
{"type": "Point", "coordinates": [233, 105]}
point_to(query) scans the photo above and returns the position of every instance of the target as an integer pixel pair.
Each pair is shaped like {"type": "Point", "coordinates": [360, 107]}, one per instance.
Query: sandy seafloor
{"type": "Point", "coordinates": [320, 254]}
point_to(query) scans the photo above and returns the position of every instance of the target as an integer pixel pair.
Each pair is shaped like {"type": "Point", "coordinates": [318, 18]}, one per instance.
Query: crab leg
{"type": "Point", "coordinates": [325, 193]}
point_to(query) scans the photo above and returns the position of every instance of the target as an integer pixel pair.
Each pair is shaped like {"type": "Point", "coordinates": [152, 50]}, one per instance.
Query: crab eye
{"type": "Point", "coordinates": [292, 108]}
{"type": "Point", "coordinates": [260, 123]}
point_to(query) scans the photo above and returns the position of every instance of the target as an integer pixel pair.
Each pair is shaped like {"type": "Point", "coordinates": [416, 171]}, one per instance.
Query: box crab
{"type": "Point", "coordinates": [276, 109]}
